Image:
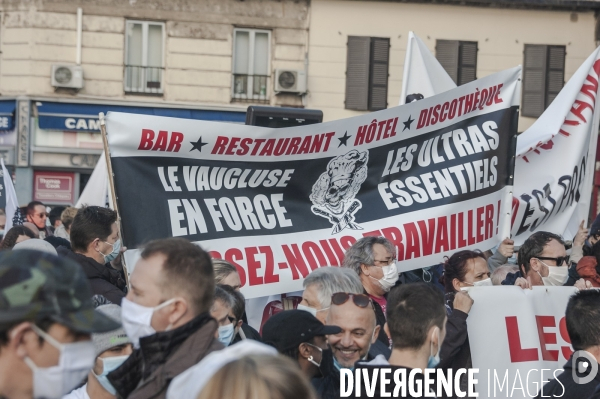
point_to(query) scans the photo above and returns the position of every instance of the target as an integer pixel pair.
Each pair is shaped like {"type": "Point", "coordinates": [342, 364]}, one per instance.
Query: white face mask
{"type": "Point", "coordinates": [109, 364]}
{"type": "Point", "coordinates": [137, 319]}
{"type": "Point", "coordinates": [390, 276]}
{"type": "Point", "coordinates": [309, 309]}
{"type": "Point", "coordinates": [75, 362]}
{"type": "Point", "coordinates": [483, 283]}
{"type": "Point", "coordinates": [557, 275]}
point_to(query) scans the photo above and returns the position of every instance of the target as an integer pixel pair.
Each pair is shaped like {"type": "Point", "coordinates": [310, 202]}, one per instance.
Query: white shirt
{"type": "Point", "coordinates": [79, 393]}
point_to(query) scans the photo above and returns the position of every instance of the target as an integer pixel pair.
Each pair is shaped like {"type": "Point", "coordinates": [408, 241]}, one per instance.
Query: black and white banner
{"type": "Point", "coordinates": [434, 177]}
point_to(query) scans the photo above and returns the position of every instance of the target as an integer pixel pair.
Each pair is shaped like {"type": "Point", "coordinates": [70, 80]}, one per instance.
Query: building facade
{"type": "Point", "coordinates": [64, 61]}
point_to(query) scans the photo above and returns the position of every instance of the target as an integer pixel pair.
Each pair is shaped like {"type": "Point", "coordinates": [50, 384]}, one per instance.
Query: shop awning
{"type": "Point", "coordinates": [7, 115]}
{"type": "Point", "coordinates": [84, 117]}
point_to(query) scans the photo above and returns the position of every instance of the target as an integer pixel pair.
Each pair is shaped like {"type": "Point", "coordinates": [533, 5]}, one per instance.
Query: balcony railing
{"type": "Point", "coordinates": [143, 79]}
{"type": "Point", "coordinates": [250, 88]}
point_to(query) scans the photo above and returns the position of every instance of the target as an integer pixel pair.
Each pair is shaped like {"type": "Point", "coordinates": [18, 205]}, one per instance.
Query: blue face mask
{"type": "Point", "coordinates": [115, 252]}
{"type": "Point", "coordinates": [434, 360]}
{"type": "Point", "coordinates": [226, 334]}
{"type": "Point", "coordinates": [110, 364]}
{"type": "Point", "coordinates": [338, 366]}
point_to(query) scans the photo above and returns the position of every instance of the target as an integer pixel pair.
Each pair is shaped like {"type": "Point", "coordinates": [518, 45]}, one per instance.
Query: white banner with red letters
{"type": "Point", "coordinates": [555, 161]}
{"type": "Point", "coordinates": [433, 176]}
{"type": "Point", "coordinates": [518, 338]}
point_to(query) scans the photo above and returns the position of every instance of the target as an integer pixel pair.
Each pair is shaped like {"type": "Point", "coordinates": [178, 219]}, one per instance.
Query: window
{"type": "Point", "coordinates": [251, 55]}
{"type": "Point", "coordinates": [543, 77]}
{"type": "Point", "coordinates": [458, 58]}
{"type": "Point", "coordinates": [144, 57]}
{"type": "Point", "coordinates": [367, 65]}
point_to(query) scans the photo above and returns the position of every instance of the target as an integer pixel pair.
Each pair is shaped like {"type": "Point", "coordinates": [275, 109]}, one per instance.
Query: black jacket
{"type": "Point", "coordinates": [565, 387]}
{"type": "Point", "coordinates": [456, 352]}
{"type": "Point", "coordinates": [376, 393]}
{"type": "Point", "coordinates": [105, 280]}
{"type": "Point", "coordinates": [148, 372]}
{"type": "Point", "coordinates": [249, 332]}
{"type": "Point", "coordinates": [328, 386]}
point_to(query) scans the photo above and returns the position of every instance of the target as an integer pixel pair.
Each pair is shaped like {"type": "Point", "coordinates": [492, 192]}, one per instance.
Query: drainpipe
{"type": "Point", "coordinates": [79, 30]}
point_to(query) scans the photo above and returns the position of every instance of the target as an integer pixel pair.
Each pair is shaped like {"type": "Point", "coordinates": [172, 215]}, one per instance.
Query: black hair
{"type": "Point", "coordinates": [44, 324]}
{"type": "Point", "coordinates": [533, 247]}
{"type": "Point", "coordinates": [55, 213]}
{"type": "Point", "coordinates": [10, 238]}
{"type": "Point", "coordinates": [412, 309]}
{"type": "Point", "coordinates": [295, 351]}
{"type": "Point", "coordinates": [187, 268]}
{"type": "Point", "coordinates": [91, 222]}
{"type": "Point", "coordinates": [31, 207]}
{"type": "Point", "coordinates": [583, 319]}
{"type": "Point", "coordinates": [456, 267]}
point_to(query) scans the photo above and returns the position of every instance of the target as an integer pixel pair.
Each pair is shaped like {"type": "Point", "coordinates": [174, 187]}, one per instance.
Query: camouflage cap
{"type": "Point", "coordinates": [36, 285]}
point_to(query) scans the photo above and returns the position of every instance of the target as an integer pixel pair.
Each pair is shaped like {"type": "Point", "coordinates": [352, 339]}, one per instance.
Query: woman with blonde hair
{"type": "Point", "coordinates": [259, 377]}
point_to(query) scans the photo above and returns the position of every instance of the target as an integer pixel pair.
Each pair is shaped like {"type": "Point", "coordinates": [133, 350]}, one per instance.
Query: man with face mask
{"type": "Point", "coordinates": [299, 335]}
{"type": "Point", "coordinates": [354, 315]}
{"type": "Point", "coordinates": [416, 324]}
{"type": "Point", "coordinates": [543, 260]}
{"type": "Point", "coordinates": [221, 311]}
{"type": "Point", "coordinates": [112, 349]}
{"type": "Point", "coordinates": [374, 260]}
{"type": "Point", "coordinates": [46, 318]}
{"type": "Point", "coordinates": [97, 247]}
{"type": "Point", "coordinates": [166, 315]}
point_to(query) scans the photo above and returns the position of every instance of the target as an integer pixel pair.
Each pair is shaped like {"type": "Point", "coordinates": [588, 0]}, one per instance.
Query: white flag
{"type": "Point", "coordinates": [423, 74]}
{"type": "Point", "coordinates": [12, 204]}
{"type": "Point", "coordinates": [96, 191]}
{"type": "Point", "coordinates": [554, 168]}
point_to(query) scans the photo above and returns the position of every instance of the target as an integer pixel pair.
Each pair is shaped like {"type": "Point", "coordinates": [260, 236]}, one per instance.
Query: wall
{"type": "Point", "coordinates": [198, 49]}
{"type": "Point", "coordinates": [501, 34]}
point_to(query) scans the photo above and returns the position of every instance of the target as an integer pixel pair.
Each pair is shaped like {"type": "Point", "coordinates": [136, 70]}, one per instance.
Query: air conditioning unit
{"type": "Point", "coordinates": [67, 76]}
{"type": "Point", "coordinates": [290, 81]}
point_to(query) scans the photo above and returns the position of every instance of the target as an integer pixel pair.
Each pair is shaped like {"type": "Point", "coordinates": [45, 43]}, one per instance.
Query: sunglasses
{"type": "Point", "coordinates": [41, 215]}
{"type": "Point", "coordinates": [360, 300]}
{"type": "Point", "coordinates": [559, 261]}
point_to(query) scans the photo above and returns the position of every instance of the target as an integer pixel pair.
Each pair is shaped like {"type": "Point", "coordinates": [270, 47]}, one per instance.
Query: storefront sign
{"type": "Point", "coordinates": [23, 134]}
{"type": "Point", "coordinates": [53, 187]}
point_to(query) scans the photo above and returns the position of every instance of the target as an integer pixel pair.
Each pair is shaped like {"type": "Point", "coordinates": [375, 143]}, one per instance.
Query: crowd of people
{"type": "Point", "coordinates": [73, 325]}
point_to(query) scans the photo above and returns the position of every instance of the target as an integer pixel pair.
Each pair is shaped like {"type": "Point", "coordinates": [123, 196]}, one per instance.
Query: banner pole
{"type": "Point", "coordinates": [111, 182]}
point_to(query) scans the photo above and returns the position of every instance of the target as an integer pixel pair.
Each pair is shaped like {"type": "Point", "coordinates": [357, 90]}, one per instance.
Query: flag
{"type": "Point", "coordinates": [555, 157]}
{"type": "Point", "coordinates": [96, 191]}
{"type": "Point", "coordinates": [13, 213]}
{"type": "Point", "coordinates": [423, 75]}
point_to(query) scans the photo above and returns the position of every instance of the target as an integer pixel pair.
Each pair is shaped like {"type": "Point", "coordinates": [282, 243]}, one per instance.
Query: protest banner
{"type": "Point", "coordinates": [434, 176]}
{"type": "Point", "coordinates": [11, 204]}
{"type": "Point", "coordinates": [555, 157]}
{"type": "Point", "coordinates": [521, 344]}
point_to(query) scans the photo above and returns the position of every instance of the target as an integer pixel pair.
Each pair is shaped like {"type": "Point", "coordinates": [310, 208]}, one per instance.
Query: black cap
{"type": "Point", "coordinates": [290, 328]}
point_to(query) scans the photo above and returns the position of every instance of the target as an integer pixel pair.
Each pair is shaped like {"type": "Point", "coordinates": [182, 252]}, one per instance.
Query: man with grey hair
{"type": "Point", "coordinates": [321, 284]}
{"type": "Point", "coordinates": [374, 260]}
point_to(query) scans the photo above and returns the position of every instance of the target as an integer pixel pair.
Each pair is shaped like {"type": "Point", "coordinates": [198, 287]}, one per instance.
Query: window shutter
{"type": "Point", "coordinates": [467, 71]}
{"type": "Point", "coordinates": [357, 73]}
{"type": "Point", "coordinates": [534, 80]}
{"type": "Point", "coordinates": [556, 72]}
{"type": "Point", "coordinates": [446, 52]}
{"type": "Point", "coordinates": [380, 56]}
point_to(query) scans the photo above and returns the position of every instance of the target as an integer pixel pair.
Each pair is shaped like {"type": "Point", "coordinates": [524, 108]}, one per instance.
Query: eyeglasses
{"type": "Point", "coordinates": [559, 261]}
{"type": "Point", "coordinates": [41, 215]}
{"type": "Point", "coordinates": [385, 262]}
{"type": "Point", "coordinates": [360, 300]}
